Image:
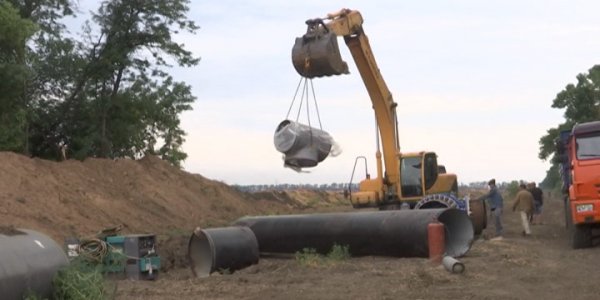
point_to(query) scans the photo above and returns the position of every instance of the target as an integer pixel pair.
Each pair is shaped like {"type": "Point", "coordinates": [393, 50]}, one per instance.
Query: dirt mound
{"type": "Point", "coordinates": [303, 199]}
{"type": "Point", "coordinates": [74, 198]}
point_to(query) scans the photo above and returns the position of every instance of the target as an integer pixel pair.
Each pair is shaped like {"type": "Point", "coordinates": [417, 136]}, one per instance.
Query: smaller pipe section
{"type": "Point", "coordinates": [478, 215]}
{"type": "Point", "coordinates": [28, 262]}
{"type": "Point", "coordinates": [222, 249]}
{"type": "Point", "coordinates": [436, 241]}
{"type": "Point", "coordinates": [452, 265]}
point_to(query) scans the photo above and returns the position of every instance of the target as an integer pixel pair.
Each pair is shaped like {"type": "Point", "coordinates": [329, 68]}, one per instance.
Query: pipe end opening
{"type": "Point", "coordinates": [459, 232]}
{"type": "Point", "coordinates": [200, 253]}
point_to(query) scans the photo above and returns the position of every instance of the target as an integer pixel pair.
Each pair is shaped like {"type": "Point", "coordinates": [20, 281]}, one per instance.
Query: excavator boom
{"type": "Point", "coordinates": [317, 57]}
{"type": "Point", "coordinates": [403, 179]}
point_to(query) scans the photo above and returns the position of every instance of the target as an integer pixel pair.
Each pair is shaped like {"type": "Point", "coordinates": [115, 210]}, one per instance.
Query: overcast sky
{"type": "Point", "coordinates": [474, 81]}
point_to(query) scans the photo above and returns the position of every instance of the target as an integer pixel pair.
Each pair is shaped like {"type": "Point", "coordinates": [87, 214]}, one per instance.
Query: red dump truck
{"type": "Point", "coordinates": [579, 154]}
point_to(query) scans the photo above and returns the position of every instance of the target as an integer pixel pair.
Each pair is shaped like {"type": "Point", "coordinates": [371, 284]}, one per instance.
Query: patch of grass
{"type": "Point", "coordinates": [225, 271]}
{"type": "Point", "coordinates": [339, 253]}
{"type": "Point", "coordinates": [309, 256]}
{"type": "Point", "coordinates": [173, 232]}
{"type": "Point", "coordinates": [80, 281]}
{"type": "Point", "coordinates": [30, 295]}
{"type": "Point", "coordinates": [313, 202]}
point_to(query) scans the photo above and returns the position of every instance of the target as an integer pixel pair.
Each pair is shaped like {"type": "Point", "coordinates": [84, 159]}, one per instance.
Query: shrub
{"type": "Point", "coordinates": [80, 281]}
{"type": "Point", "coordinates": [310, 257]}
{"type": "Point", "coordinates": [339, 253]}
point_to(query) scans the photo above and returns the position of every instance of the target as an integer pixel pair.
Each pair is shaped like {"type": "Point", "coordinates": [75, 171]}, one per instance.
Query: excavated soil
{"type": "Point", "coordinates": [79, 199]}
{"type": "Point", "coordinates": [73, 198]}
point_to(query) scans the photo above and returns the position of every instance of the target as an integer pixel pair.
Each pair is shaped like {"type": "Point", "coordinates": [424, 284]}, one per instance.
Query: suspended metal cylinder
{"type": "Point", "coordinates": [28, 262]}
{"type": "Point", "coordinates": [302, 145]}
{"type": "Point", "coordinates": [400, 233]}
{"type": "Point", "coordinates": [222, 249]}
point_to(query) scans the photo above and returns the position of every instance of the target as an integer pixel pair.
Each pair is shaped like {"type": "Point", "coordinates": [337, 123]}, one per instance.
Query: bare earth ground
{"type": "Point", "coordinates": [539, 267]}
{"type": "Point", "coordinates": [80, 198]}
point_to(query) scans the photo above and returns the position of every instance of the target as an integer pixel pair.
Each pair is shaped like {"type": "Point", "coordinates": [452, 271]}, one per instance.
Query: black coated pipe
{"type": "Point", "coordinates": [400, 233]}
{"type": "Point", "coordinates": [28, 262]}
{"type": "Point", "coordinates": [222, 249]}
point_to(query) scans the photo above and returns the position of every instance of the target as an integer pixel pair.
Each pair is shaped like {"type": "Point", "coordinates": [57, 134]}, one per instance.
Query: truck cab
{"type": "Point", "coordinates": [579, 154]}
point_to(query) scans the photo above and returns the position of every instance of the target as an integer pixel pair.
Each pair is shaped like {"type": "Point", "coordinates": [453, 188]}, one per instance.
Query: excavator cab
{"type": "Point", "coordinates": [316, 53]}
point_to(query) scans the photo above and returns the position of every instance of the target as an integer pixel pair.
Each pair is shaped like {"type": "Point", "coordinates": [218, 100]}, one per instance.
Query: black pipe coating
{"type": "Point", "coordinates": [222, 249]}
{"type": "Point", "coordinates": [399, 233]}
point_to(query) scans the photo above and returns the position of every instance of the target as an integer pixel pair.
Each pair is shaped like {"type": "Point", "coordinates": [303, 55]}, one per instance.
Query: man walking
{"type": "Point", "coordinates": [496, 204]}
{"type": "Point", "coordinates": [524, 204]}
{"type": "Point", "coordinates": [538, 202]}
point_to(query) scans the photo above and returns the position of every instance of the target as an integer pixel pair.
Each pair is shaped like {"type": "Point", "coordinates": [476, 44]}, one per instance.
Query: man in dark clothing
{"type": "Point", "coordinates": [496, 204]}
{"type": "Point", "coordinates": [538, 202]}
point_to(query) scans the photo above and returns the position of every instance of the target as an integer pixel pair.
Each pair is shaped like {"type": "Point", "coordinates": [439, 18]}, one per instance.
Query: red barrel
{"type": "Point", "coordinates": [436, 239]}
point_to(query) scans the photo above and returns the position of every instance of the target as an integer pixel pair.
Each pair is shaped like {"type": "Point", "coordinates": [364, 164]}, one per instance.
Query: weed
{"type": "Point", "coordinates": [310, 257]}
{"type": "Point", "coordinates": [225, 271]}
{"type": "Point", "coordinates": [31, 295]}
{"type": "Point", "coordinates": [80, 281]}
{"type": "Point", "coordinates": [339, 253]}
{"type": "Point", "coordinates": [174, 232]}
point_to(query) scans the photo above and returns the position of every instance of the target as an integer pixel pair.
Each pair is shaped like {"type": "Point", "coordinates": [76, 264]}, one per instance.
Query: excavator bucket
{"type": "Point", "coordinates": [316, 54]}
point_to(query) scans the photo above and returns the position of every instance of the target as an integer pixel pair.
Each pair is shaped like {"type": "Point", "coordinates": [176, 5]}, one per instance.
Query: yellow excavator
{"type": "Point", "coordinates": [404, 180]}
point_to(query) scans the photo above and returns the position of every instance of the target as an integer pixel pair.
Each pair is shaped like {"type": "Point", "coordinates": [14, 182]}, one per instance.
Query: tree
{"type": "Point", "coordinates": [581, 103]}
{"type": "Point", "coordinates": [14, 33]}
{"type": "Point", "coordinates": [34, 85]}
{"type": "Point", "coordinates": [107, 94]}
{"type": "Point", "coordinates": [123, 102]}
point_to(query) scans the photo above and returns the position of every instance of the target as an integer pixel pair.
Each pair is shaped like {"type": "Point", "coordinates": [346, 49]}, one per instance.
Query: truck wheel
{"type": "Point", "coordinates": [567, 210]}
{"type": "Point", "coordinates": [581, 236]}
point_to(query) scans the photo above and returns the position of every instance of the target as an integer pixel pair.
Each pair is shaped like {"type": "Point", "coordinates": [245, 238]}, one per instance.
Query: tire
{"type": "Point", "coordinates": [567, 210]}
{"type": "Point", "coordinates": [581, 236]}
{"type": "Point", "coordinates": [437, 201]}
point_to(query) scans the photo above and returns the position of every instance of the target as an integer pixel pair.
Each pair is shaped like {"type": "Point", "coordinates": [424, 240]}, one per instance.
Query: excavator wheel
{"type": "Point", "coordinates": [478, 215]}
{"type": "Point", "coordinates": [316, 53]}
{"type": "Point", "coordinates": [437, 201]}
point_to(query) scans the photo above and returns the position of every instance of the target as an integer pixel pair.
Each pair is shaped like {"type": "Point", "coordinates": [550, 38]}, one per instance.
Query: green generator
{"type": "Point", "coordinates": [132, 256]}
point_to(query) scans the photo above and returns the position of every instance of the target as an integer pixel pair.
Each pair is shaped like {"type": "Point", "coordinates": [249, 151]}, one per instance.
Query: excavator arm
{"type": "Point", "coordinates": [348, 24]}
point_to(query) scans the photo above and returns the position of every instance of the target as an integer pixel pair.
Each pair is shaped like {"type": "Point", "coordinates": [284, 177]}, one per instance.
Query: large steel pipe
{"type": "Point", "coordinates": [224, 248]}
{"type": "Point", "coordinates": [28, 262]}
{"type": "Point", "coordinates": [401, 233]}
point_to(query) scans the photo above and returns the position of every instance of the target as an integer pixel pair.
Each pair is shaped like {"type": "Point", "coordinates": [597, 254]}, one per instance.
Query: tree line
{"type": "Point", "coordinates": [102, 92]}
{"type": "Point", "coordinates": [512, 185]}
{"type": "Point", "coordinates": [581, 103]}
